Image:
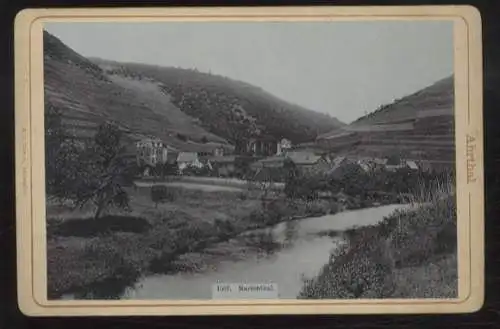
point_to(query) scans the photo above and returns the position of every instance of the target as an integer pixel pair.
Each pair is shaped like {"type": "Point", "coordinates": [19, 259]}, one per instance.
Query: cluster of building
{"type": "Point", "coordinates": [152, 152]}
{"type": "Point", "coordinates": [311, 162]}
{"type": "Point", "coordinates": [264, 158]}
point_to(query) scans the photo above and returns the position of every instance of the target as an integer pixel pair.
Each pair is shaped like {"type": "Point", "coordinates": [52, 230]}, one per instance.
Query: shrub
{"type": "Point", "coordinates": [366, 266]}
{"type": "Point", "coordinates": [352, 273]}
{"type": "Point", "coordinates": [158, 194]}
{"type": "Point", "coordinates": [107, 224]}
{"type": "Point", "coordinates": [224, 229]}
{"type": "Point", "coordinates": [334, 207]}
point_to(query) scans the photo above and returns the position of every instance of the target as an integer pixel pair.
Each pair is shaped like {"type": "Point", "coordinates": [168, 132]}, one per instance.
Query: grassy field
{"type": "Point", "coordinates": [114, 251]}
{"type": "Point", "coordinates": [411, 254]}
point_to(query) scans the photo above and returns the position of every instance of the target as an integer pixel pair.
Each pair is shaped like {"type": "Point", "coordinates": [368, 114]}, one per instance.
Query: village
{"type": "Point", "coordinates": [262, 159]}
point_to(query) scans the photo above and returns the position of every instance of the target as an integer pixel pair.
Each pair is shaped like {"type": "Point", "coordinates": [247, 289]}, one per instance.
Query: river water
{"type": "Point", "coordinates": [304, 253]}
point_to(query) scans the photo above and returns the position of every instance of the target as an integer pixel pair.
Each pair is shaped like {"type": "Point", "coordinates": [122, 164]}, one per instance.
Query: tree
{"type": "Point", "coordinates": [105, 172]}
{"type": "Point", "coordinates": [182, 137]}
{"type": "Point", "coordinates": [292, 178]}
{"type": "Point", "coordinates": [394, 159]}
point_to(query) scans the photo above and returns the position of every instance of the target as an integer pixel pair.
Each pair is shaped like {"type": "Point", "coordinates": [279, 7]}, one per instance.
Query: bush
{"type": "Point", "coordinates": [159, 194]}
{"type": "Point", "coordinates": [195, 171]}
{"type": "Point", "coordinates": [352, 273]}
{"type": "Point", "coordinates": [89, 227]}
{"type": "Point", "coordinates": [170, 169]}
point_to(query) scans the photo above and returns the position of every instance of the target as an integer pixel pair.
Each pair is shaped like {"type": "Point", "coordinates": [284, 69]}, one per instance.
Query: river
{"type": "Point", "coordinates": [305, 251]}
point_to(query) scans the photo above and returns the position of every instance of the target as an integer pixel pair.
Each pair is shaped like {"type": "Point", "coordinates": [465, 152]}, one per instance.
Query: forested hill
{"type": "Point", "coordinates": [226, 107]}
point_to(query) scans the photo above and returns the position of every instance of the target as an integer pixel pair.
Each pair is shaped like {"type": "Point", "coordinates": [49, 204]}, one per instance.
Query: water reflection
{"type": "Point", "coordinates": [291, 233]}
{"type": "Point", "coordinates": [263, 240]}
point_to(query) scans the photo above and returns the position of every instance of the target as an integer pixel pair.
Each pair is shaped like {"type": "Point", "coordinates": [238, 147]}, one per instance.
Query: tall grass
{"type": "Point", "coordinates": [430, 192]}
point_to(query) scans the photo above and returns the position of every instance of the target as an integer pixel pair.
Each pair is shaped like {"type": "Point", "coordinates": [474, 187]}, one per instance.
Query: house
{"type": "Point", "coordinates": [337, 162]}
{"type": "Point", "coordinates": [188, 159]}
{"type": "Point", "coordinates": [409, 164]}
{"type": "Point", "coordinates": [303, 158]}
{"type": "Point", "coordinates": [394, 166]}
{"type": "Point", "coordinates": [378, 163]}
{"type": "Point", "coordinates": [283, 146]}
{"type": "Point", "coordinates": [412, 165]}
{"type": "Point", "coordinates": [218, 151]}
{"type": "Point", "coordinates": [340, 166]}
{"type": "Point", "coordinates": [371, 164]}
{"type": "Point", "coordinates": [151, 152]}
{"type": "Point", "coordinates": [390, 167]}
{"type": "Point", "coordinates": [365, 165]}
{"type": "Point", "coordinates": [308, 162]}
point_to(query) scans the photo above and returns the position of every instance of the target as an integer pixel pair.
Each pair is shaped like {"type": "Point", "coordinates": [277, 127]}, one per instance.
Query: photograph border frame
{"type": "Point", "coordinates": [30, 186]}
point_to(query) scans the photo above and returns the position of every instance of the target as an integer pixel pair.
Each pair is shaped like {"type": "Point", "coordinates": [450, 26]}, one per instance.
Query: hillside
{"type": "Point", "coordinates": [87, 96]}
{"type": "Point", "coordinates": [226, 107]}
{"type": "Point", "coordinates": [190, 111]}
{"type": "Point", "coordinates": [419, 126]}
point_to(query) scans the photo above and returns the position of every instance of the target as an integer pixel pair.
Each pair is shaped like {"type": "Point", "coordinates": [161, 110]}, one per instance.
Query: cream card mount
{"type": "Point", "coordinates": [232, 161]}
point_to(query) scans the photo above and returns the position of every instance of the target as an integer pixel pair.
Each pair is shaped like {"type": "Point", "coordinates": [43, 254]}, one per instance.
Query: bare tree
{"type": "Point", "coordinates": [105, 173]}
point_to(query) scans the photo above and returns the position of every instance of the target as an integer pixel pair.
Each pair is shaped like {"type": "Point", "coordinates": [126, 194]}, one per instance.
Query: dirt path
{"type": "Point", "coordinates": [193, 186]}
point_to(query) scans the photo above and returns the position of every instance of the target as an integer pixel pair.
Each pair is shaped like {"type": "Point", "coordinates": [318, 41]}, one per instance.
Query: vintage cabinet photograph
{"type": "Point", "coordinates": [201, 157]}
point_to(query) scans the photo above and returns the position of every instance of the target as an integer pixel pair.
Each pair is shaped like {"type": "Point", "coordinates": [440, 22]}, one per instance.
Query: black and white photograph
{"type": "Point", "coordinates": [250, 160]}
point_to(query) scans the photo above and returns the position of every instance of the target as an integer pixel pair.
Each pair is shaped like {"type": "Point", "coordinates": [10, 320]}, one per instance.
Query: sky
{"type": "Point", "coordinates": [345, 69]}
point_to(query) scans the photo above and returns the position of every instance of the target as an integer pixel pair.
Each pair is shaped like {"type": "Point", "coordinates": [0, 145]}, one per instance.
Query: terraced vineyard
{"type": "Point", "coordinates": [419, 127]}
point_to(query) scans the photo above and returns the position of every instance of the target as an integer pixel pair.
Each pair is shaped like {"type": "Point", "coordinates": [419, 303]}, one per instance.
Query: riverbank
{"type": "Point", "coordinates": [410, 254]}
{"type": "Point", "coordinates": [99, 258]}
